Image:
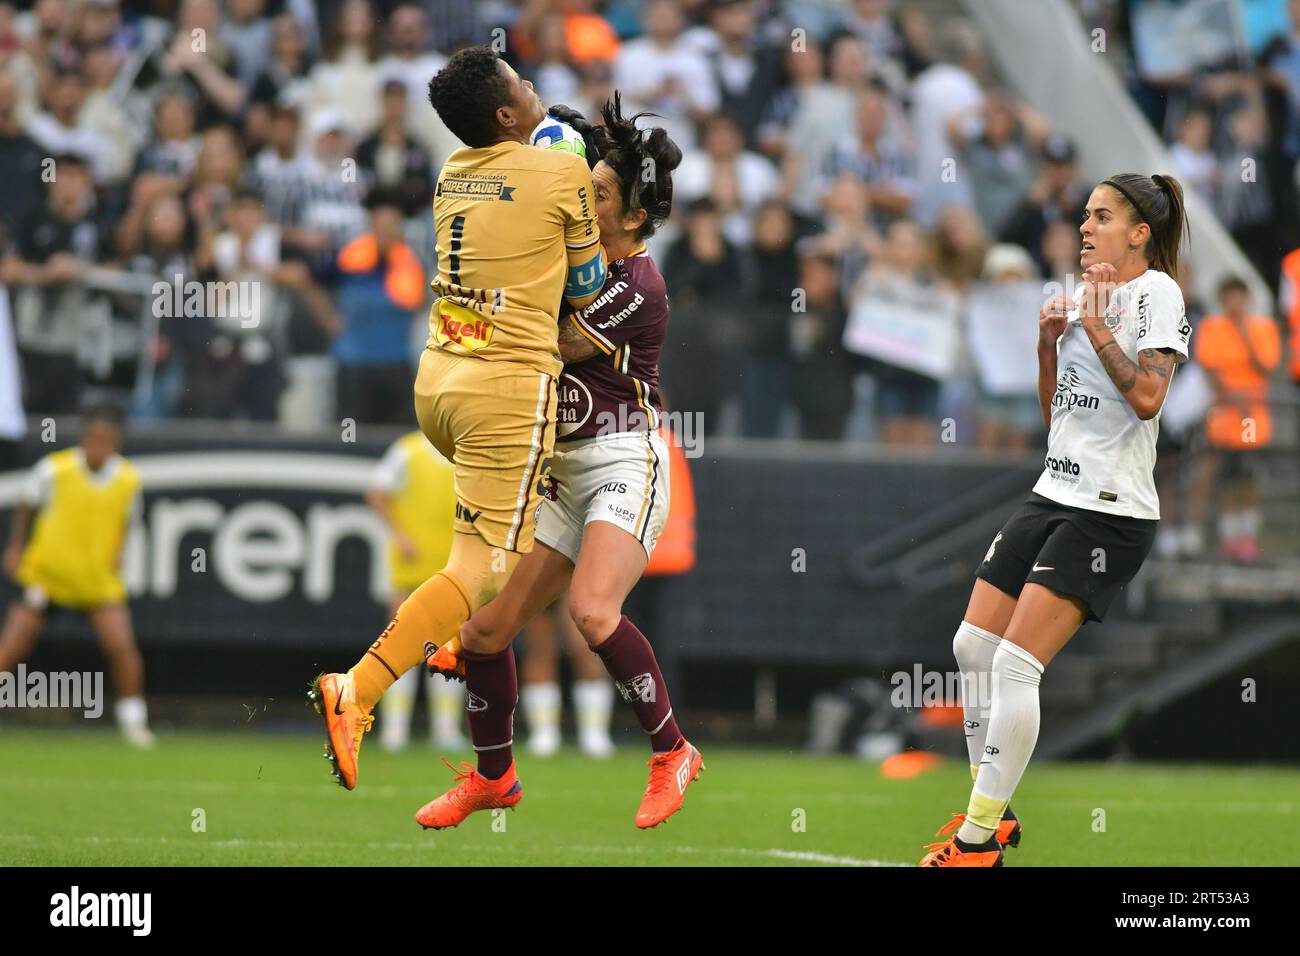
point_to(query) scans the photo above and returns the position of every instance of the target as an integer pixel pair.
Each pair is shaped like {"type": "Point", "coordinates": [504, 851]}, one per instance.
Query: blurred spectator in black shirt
{"type": "Point", "coordinates": [746, 70]}
{"type": "Point", "coordinates": [392, 159]}
{"type": "Point", "coordinates": [702, 356]}
{"type": "Point", "coordinates": [765, 386]}
{"type": "Point", "coordinates": [21, 159]}
{"type": "Point", "coordinates": [1057, 195]}
{"type": "Point", "coordinates": [821, 380]}
{"type": "Point", "coordinates": [51, 248]}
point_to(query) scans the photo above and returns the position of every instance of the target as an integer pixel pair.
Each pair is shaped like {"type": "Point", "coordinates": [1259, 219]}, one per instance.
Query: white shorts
{"type": "Point", "coordinates": [620, 478]}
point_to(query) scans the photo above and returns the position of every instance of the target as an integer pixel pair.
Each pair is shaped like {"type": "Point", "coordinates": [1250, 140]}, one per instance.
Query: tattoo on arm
{"type": "Point", "coordinates": [574, 346]}
{"type": "Point", "coordinates": [1157, 361]}
{"type": "Point", "coordinates": [1118, 366]}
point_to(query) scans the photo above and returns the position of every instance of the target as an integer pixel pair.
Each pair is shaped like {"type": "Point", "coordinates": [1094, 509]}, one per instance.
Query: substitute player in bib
{"type": "Point", "coordinates": [84, 498]}
{"type": "Point", "coordinates": [516, 233]}
{"type": "Point", "coordinates": [1105, 361]}
{"type": "Point", "coordinates": [413, 491]}
{"type": "Point", "coordinates": [608, 500]}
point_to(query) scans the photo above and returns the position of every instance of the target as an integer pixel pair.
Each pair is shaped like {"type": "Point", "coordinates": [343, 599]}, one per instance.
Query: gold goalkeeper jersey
{"type": "Point", "coordinates": [516, 233]}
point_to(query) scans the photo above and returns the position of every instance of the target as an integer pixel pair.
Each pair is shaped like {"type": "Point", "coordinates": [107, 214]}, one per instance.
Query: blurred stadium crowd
{"type": "Point", "coordinates": [820, 288]}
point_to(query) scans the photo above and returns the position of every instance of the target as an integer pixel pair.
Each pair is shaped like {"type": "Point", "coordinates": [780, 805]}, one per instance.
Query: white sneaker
{"type": "Point", "coordinates": [543, 743]}
{"type": "Point", "coordinates": [141, 737]}
{"type": "Point", "coordinates": [596, 744]}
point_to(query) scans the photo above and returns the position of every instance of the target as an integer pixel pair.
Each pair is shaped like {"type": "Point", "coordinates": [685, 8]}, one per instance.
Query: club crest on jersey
{"type": "Point", "coordinates": [641, 687]}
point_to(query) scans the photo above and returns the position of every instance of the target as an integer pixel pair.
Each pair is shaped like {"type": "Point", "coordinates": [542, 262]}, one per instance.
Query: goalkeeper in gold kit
{"type": "Point", "coordinates": [516, 234]}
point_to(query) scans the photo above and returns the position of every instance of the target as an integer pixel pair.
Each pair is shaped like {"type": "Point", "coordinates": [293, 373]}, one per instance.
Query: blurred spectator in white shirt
{"type": "Point", "coordinates": [661, 72]}
{"type": "Point", "coordinates": [1194, 161]}
{"type": "Point", "coordinates": [737, 180]}
{"type": "Point", "coordinates": [947, 89]}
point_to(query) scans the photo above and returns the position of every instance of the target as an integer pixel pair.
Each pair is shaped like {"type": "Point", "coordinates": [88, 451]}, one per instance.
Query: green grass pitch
{"type": "Point", "coordinates": [85, 799]}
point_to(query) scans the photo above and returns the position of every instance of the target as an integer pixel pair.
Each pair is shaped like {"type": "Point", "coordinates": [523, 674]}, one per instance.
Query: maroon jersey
{"type": "Point", "coordinates": [617, 390]}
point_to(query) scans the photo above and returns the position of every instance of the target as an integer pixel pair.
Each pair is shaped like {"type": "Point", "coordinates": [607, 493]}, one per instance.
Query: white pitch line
{"type": "Point", "coordinates": [201, 843]}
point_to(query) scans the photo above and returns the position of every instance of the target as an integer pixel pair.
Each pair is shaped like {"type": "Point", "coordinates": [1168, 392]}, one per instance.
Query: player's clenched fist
{"type": "Point", "coordinates": [1052, 318]}
{"type": "Point", "coordinates": [1098, 284]}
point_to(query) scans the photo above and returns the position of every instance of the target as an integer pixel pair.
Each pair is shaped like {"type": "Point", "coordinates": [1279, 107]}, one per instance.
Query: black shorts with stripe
{"type": "Point", "coordinates": [1086, 554]}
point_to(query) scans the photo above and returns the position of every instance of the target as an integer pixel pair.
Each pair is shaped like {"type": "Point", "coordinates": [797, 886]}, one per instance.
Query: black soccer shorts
{"type": "Point", "coordinates": [1086, 554]}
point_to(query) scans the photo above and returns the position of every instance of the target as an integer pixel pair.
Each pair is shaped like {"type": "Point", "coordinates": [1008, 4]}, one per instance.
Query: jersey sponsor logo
{"type": "Point", "coordinates": [575, 405]}
{"type": "Point", "coordinates": [1070, 394]}
{"type": "Point", "coordinates": [637, 299]}
{"type": "Point", "coordinates": [611, 488]}
{"type": "Point", "coordinates": [476, 189]}
{"type": "Point", "coordinates": [605, 299]}
{"type": "Point", "coordinates": [1062, 468]}
{"type": "Point", "coordinates": [472, 334]}
{"type": "Point", "coordinates": [586, 209]}
{"type": "Point", "coordinates": [1144, 314]}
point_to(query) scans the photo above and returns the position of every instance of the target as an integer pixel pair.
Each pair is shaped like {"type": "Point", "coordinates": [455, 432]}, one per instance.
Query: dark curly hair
{"type": "Point", "coordinates": [643, 162]}
{"type": "Point", "coordinates": [467, 93]}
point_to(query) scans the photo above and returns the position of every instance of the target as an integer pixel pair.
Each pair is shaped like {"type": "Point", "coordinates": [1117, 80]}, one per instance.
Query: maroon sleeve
{"type": "Point", "coordinates": [624, 307]}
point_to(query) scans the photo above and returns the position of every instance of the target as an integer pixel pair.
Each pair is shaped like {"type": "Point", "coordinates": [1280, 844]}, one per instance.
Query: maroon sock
{"type": "Point", "coordinates": [631, 662]}
{"type": "Point", "coordinates": [492, 690]}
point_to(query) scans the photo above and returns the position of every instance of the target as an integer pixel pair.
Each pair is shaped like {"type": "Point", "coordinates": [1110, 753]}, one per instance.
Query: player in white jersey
{"type": "Point", "coordinates": [1106, 357]}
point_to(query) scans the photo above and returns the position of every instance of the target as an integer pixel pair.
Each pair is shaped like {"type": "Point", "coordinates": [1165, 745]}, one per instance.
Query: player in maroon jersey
{"type": "Point", "coordinates": [608, 495]}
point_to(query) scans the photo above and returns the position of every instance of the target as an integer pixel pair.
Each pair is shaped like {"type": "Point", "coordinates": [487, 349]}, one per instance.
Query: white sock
{"type": "Point", "coordinates": [542, 707]}
{"type": "Point", "coordinates": [131, 713]}
{"type": "Point", "coordinates": [594, 702]}
{"type": "Point", "coordinates": [1012, 733]}
{"type": "Point", "coordinates": [446, 705]}
{"type": "Point", "coordinates": [974, 648]}
{"type": "Point", "coordinates": [395, 711]}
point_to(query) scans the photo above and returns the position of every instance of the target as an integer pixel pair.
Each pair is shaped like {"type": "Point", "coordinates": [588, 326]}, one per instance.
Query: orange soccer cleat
{"type": "Point", "coordinates": [334, 698]}
{"type": "Point", "coordinates": [446, 660]}
{"type": "Point", "coordinates": [670, 774]}
{"type": "Point", "coordinates": [1008, 834]}
{"type": "Point", "coordinates": [955, 853]}
{"type": "Point", "coordinates": [472, 792]}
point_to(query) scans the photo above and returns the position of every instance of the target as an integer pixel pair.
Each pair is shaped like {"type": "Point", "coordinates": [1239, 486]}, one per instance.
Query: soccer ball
{"type": "Point", "coordinates": [552, 133]}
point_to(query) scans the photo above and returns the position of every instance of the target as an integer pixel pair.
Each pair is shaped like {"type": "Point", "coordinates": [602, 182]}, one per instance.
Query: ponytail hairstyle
{"type": "Point", "coordinates": [644, 164]}
{"type": "Point", "coordinates": [1158, 201]}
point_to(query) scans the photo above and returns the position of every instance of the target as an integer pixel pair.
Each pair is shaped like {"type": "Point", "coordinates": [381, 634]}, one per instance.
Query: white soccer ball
{"type": "Point", "coordinates": [552, 133]}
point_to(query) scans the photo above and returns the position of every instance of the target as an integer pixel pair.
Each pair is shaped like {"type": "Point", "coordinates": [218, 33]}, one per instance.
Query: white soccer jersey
{"type": "Point", "coordinates": [1100, 455]}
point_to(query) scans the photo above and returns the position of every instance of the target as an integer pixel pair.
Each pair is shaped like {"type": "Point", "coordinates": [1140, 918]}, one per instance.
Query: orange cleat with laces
{"type": "Point", "coordinates": [334, 697]}
{"type": "Point", "coordinates": [954, 852]}
{"type": "Point", "coordinates": [670, 774]}
{"type": "Point", "coordinates": [1008, 833]}
{"type": "Point", "coordinates": [472, 792]}
{"type": "Point", "coordinates": [446, 660]}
